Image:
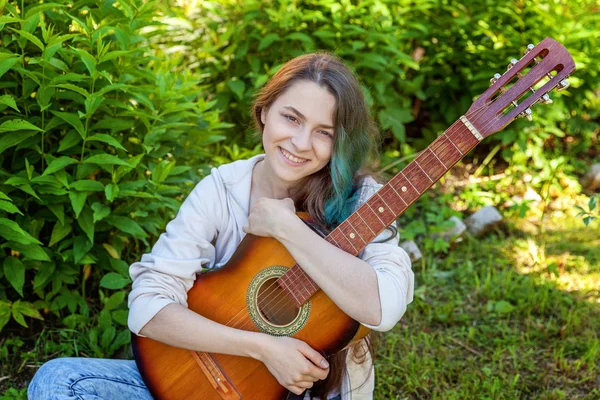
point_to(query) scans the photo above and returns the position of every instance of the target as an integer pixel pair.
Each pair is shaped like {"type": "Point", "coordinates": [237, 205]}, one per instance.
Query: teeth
{"type": "Point", "coordinates": [291, 157]}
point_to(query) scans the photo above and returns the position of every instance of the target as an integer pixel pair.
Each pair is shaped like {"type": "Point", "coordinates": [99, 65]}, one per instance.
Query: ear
{"type": "Point", "coordinates": [263, 115]}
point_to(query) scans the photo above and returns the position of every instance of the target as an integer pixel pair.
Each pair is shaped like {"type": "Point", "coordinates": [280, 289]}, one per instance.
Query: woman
{"type": "Point", "coordinates": [317, 135]}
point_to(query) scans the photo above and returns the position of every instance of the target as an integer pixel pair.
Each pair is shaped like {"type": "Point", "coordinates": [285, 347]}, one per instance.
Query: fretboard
{"type": "Point", "coordinates": [388, 203]}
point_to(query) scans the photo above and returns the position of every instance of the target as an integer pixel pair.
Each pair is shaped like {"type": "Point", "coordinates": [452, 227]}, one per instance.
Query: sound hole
{"type": "Point", "coordinates": [274, 304]}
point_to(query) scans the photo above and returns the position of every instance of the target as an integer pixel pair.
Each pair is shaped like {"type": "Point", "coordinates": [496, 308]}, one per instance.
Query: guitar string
{"type": "Point", "coordinates": [283, 296]}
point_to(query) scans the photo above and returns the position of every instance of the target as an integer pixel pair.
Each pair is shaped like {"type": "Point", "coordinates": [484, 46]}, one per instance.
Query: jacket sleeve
{"type": "Point", "coordinates": [392, 264]}
{"type": "Point", "coordinates": [167, 273]}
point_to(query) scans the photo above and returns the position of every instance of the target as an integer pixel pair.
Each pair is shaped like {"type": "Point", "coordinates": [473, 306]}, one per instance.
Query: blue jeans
{"type": "Point", "coordinates": [89, 379]}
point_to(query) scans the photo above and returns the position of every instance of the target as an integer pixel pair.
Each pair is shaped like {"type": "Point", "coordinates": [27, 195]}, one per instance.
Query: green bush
{"type": "Point", "coordinates": [99, 143]}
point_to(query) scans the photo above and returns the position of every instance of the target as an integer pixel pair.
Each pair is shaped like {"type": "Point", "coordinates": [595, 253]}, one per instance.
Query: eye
{"type": "Point", "coordinates": [326, 133]}
{"type": "Point", "coordinates": [290, 118]}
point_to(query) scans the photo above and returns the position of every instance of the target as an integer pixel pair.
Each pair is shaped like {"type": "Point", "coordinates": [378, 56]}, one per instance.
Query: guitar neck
{"type": "Point", "coordinates": [389, 202]}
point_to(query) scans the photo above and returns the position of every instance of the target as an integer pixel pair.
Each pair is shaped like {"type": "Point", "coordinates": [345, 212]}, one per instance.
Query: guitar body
{"type": "Point", "coordinates": [230, 296]}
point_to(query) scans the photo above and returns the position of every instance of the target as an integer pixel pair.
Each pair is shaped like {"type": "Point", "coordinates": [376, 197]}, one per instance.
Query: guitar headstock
{"type": "Point", "coordinates": [526, 82]}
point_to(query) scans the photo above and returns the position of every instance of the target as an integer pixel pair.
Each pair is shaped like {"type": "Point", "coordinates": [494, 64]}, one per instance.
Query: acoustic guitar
{"type": "Point", "coordinates": [262, 288]}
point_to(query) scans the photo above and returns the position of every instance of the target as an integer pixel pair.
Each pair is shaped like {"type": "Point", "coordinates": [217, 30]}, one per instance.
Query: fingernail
{"type": "Point", "coordinates": [324, 363]}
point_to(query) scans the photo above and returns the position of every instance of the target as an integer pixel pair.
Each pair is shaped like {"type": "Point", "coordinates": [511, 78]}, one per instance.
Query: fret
{"type": "Point", "coordinates": [374, 213]}
{"type": "Point", "coordinates": [383, 211]}
{"type": "Point", "coordinates": [361, 227]}
{"type": "Point", "coordinates": [348, 238]}
{"type": "Point", "coordinates": [415, 176]}
{"type": "Point", "coordinates": [466, 141]}
{"type": "Point", "coordinates": [398, 194]}
{"type": "Point", "coordinates": [455, 146]}
{"type": "Point", "coordinates": [299, 279]}
{"type": "Point", "coordinates": [367, 225]}
{"type": "Point", "coordinates": [342, 240]}
{"type": "Point", "coordinates": [435, 168]}
{"type": "Point", "coordinates": [405, 177]}
{"type": "Point", "coordinates": [432, 152]}
{"type": "Point", "coordinates": [403, 184]}
{"type": "Point", "coordinates": [335, 243]}
{"type": "Point", "coordinates": [289, 289]}
{"type": "Point", "coordinates": [448, 152]}
{"type": "Point", "coordinates": [352, 235]}
{"type": "Point", "coordinates": [425, 172]}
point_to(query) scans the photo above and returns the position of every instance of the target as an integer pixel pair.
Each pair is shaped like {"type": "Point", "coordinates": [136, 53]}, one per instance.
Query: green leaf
{"type": "Point", "coordinates": [32, 251]}
{"type": "Point", "coordinates": [87, 58]}
{"type": "Point", "coordinates": [20, 308]}
{"type": "Point", "coordinates": [59, 164]}
{"type": "Point", "coordinates": [87, 185]}
{"type": "Point", "coordinates": [46, 270]}
{"type": "Point", "coordinates": [59, 211]}
{"type": "Point", "coordinates": [268, 40]}
{"type": "Point", "coordinates": [9, 207]}
{"type": "Point", "coordinates": [86, 222]}
{"type": "Point", "coordinates": [74, 88]}
{"type": "Point", "coordinates": [71, 139]}
{"type": "Point", "coordinates": [503, 307]}
{"type": "Point", "coordinates": [10, 140]}
{"type": "Point", "coordinates": [100, 211]}
{"type": "Point", "coordinates": [35, 10]}
{"type": "Point", "coordinates": [111, 191]}
{"type": "Point", "coordinates": [104, 159]}
{"type": "Point", "coordinates": [72, 120]}
{"type": "Point", "coordinates": [127, 225]}
{"type": "Point", "coordinates": [78, 201]}
{"type": "Point", "coordinates": [102, 137]}
{"type": "Point", "coordinates": [237, 87]}
{"type": "Point", "coordinates": [9, 20]}
{"type": "Point", "coordinates": [17, 125]}
{"type": "Point", "coordinates": [11, 231]}
{"type": "Point", "coordinates": [14, 272]}
{"type": "Point", "coordinates": [113, 280]}
{"type": "Point", "coordinates": [7, 63]}
{"type": "Point", "coordinates": [592, 203]}
{"type": "Point", "coordinates": [115, 300]}
{"type": "Point", "coordinates": [4, 313]}
{"type": "Point", "coordinates": [9, 101]}
{"type": "Point", "coordinates": [59, 232]}
{"type": "Point", "coordinates": [81, 245]}
{"type": "Point", "coordinates": [30, 37]}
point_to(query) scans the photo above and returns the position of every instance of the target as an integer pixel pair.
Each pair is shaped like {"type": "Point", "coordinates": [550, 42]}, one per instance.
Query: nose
{"type": "Point", "coordinates": [301, 140]}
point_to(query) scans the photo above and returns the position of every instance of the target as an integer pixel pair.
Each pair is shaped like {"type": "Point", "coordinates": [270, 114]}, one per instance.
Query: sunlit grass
{"type": "Point", "coordinates": [514, 315]}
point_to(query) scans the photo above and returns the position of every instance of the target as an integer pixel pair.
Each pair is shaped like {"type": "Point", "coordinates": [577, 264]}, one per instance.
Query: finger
{"type": "Point", "coordinates": [296, 389]}
{"type": "Point", "coordinates": [314, 356]}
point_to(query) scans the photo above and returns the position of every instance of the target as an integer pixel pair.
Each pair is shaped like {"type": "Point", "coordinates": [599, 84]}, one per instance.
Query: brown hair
{"type": "Point", "coordinates": [329, 194]}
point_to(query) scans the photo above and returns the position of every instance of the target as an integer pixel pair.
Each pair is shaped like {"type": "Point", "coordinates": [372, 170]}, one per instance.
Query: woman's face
{"type": "Point", "coordinates": [299, 131]}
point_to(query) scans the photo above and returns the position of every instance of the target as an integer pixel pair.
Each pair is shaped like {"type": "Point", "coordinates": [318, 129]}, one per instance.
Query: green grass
{"type": "Point", "coordinates": [493, 321]}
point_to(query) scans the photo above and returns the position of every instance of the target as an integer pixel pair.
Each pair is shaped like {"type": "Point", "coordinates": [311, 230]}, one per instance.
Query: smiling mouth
{"type": "Point", "coordinates": [292, 157]}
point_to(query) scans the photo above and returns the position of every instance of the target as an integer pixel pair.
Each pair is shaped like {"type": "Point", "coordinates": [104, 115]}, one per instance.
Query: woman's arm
{"type": "Point", "coordinates": [349, 281]}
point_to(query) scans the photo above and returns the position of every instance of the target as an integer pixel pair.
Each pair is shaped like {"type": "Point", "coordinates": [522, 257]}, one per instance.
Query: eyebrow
{"type": "Point", "coordinates": [304, 118]}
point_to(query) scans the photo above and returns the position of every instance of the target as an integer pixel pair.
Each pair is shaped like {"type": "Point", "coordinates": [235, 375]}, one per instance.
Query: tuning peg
{"type": "Point", "coordinates": [526, 114]}
{"type": "Point", "coordinates": [545, 99]}
{"type": "Point", "coordinates": [529, 48]}
{"type": "Point", "coordinates": [512, 63]}
{"type": "Point", "coordinates": [495, 78]}
{"type": "Point", "coordinates": [562, 85]}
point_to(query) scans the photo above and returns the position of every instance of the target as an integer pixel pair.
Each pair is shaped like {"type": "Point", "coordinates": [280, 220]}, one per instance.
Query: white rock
{"type": "Point", "coordinates": [483, 220]}
{"type": "Point", "coordinates": [412, 249]}
{"type": "Point", "coordinates": [591, 180]}
{"type": "Point", "coordinates": [454, 233]}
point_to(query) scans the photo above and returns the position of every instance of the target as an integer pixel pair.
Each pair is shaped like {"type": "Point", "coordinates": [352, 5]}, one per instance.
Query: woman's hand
{"type": "Point", "coordinates": [268, 216]}
{"type": "Point", "coordinates": [294, 364]}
